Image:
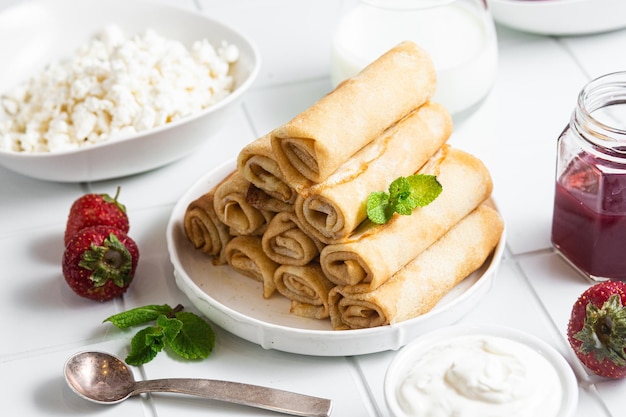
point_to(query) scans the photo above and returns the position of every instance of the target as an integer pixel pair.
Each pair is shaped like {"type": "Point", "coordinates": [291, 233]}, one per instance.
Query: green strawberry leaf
{"type": "Point", "coordinates": [195, 340]}
{"type": "Point", "coordinates": [109, 262]}
{"type": "Point", "coordinates": [608, 345]}
{"type": "Point", "coordinates": [113, 200]}
{"type": "Point", "coordinates": [138, 316]}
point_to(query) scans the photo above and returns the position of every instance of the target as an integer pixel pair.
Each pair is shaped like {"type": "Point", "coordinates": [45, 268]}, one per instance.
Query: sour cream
{"type": "Point", "coordinates": [480, 376]}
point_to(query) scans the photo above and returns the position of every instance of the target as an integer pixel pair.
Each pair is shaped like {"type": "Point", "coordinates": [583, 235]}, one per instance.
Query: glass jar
{"type": "Point", "coordinates": [458, 35]}
{"type": "Point", "coordinates": [589, 218]}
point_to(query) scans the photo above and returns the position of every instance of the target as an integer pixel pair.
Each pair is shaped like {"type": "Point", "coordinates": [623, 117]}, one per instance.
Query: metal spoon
{"type": "Point", "coordinates": [105, 379]}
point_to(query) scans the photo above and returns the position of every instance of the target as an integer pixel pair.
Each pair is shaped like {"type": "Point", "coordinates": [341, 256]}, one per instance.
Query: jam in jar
{"type": "Point", "coordinates": [589, 218]}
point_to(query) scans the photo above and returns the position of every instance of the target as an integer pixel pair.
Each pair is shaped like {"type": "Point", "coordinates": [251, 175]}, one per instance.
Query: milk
{"type": "Point", "coordinates": [459, 36]}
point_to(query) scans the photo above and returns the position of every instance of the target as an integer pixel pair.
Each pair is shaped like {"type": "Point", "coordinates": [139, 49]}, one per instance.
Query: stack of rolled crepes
{"type": "Point", "coordinates": [293, 213]}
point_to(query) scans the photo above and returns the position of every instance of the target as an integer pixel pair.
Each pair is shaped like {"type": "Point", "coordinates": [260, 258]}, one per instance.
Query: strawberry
{"type": "Point", "coordinates": [99, 262]}
{"type": "Point", "coordinates": [597, 329]}
{"type": "Point", "coordinates": [93, 210]}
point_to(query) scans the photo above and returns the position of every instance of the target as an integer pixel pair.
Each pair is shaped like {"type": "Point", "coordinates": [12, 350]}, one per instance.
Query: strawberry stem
{"type": "Point", "coordinates": [110, 262]}
{"type": "Point", "coordinates": [604, 331]}
{"type": "Point", "coordinates": [117, 192]}
{"type": "Point", "coordinates": [114, 200]}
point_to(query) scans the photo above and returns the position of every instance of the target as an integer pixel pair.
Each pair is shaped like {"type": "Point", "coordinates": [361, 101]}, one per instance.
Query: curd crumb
{"type": "Point", "coordinates": [114, 86]}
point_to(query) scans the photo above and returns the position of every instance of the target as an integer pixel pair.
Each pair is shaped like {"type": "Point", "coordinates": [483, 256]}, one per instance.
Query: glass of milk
{"type": "Point", "coordinates": [459, 36]}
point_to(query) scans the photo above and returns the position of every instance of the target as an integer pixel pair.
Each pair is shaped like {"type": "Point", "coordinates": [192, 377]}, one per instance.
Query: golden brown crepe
{"type": "Point", "coordinates": [204, 229]}
{"type": "Point", "coordinates": [420, 285]}
{"type": "Point", "coordinates": [234, 211]}
{"type": "Point", "coordinates": [316, 142]}
{"type": "Point", "coordinates": [375, 252]}
{"type": "Point", "coordinates": [261, 200]}
{"type": "Point", "coordinates": [285, 242]}
{"type": "Point", "coordinates": [306, 287]}
{"type": "Point", "coordinates": [245, 255]}
{"type": "Point", "coordinates": [333, 209]}
{"type": "Point", "coordinates": [257, 164]}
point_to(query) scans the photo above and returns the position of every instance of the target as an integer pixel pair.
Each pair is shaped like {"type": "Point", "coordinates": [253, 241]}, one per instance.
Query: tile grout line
{"type": "Point", "coordinates": [573, 56]}
{"type": "Point", "coordinates": [361, 382]}
{"type": "Point", "coordinates": [583, 379]}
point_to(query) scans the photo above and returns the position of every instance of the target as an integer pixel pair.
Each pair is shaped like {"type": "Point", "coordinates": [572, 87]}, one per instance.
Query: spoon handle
{"type": "Point", "coordinates": [239, 393]}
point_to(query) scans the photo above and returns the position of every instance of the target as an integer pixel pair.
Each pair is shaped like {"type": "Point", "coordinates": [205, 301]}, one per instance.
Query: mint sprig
{"type": "Point", "coordinates": [405, 195]}
{"type": "Point", "coordinates": [185, 333]}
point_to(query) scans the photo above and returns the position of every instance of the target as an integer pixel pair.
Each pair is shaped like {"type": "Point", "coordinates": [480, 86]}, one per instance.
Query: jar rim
{"type": "Point", "coordinates": [602, 92]}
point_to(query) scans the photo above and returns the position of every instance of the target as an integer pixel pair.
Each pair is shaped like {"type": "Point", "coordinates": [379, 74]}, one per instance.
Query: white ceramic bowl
{"type": "Point", "coordinates": [560, 17]}
{"type": "Point", "coordinates": [46, 31]}
{"type": "Point", "coordinates": [508, 340]}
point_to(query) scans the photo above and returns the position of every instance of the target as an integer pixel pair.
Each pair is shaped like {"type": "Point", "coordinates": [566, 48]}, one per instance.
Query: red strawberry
{"type": "Point", "coordinates": [99, 262]}
{"type": "Point", "coordinates": [94, 210]}
{"type": "Point", "coordinates": [597, 329]}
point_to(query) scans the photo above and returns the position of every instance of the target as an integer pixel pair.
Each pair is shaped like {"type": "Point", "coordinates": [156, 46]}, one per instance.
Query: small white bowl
{"type": "Point", "coordinates": [45, 31]}
{"type": "Point", "coordinates": [549, 364]}
{"type": "Point", "coordinates": [560, 17]}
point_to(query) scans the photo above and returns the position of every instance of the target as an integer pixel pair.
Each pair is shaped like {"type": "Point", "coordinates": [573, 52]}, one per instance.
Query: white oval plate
{"type": "Point", "coordinates": [44, 31]}
{"type": "Point", "coordinates": [560, 17]}
{"type": "Point", "coordinates": [235, 303]}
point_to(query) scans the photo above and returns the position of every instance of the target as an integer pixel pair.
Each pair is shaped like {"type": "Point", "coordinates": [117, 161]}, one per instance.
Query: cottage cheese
{"type": "Point", "coordinates": [113, 87]}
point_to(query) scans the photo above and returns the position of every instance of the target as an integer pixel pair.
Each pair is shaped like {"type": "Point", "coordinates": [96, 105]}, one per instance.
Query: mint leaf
{"type": "Point", "coordinates": [153, 338]}
{"type": "Point", "coordinates": [144, 346]}
{"type": "Point", "coordinates": [195, 340]}
{"type": "Point", "coordinates": [185, 333]}
{"type": "Point", "coordinates": [138, 316]}
{"type": "Point", "coordinates": [424, 189]}
{"type": "Point", "coordinates": [405, 195]}
{"type": "Point", "coordinates": [400, 196]}
{"type": "Point", "coordinates": [378, 208]}
{"type": "Point", "coordinates": [170, 326]}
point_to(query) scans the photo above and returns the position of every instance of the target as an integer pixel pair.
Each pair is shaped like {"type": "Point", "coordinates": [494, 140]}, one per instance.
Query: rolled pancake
{"type": "Point", "coordinates": [423, 282]}
{"type": "Point", "coordinates": [245, 255]}
{"type": "Point", "coordinates": [204, 229]}
{"type": "Point", "coordinates": [375, 252]}
{"type": "Point", "coordinates": [234, 211]}
{"type": "Point", "coordinates": [316, 142]}
{"type": "Point", "coordinates": [257, 164]}
{"type": "Point", "coordinates": [333, 209]}
{"type": "Point", "coordinates": [306, 287]}
{"type": "Point", "coordinates": [261, 200]}
{"type": "Point", "coordinates": [285, 242]}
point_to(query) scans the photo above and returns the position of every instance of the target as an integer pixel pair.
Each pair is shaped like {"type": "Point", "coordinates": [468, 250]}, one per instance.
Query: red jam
{"type": "Point", "coordinates": [589, 221]}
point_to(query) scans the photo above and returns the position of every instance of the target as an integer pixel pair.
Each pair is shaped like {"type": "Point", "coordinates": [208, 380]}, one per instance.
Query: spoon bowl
{"type": "Point", "coordinates": [106, 379]}
{"type": "Point", "coordinates": [99, 377]}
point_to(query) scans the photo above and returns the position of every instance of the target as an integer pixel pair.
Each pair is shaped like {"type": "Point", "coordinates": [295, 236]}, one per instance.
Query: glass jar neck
{"type": "Point", "coordinates": [600, 115]}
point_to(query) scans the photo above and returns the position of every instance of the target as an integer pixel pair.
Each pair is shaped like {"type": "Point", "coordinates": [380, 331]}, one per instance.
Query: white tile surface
{"type": "Point", "coordinates": [513, 131]}
{"type": "Point", "coordinates": [291, 47]}
{"type": "Point", "coordinates": [598, 60]}
{"type": "Point", "coordinates": [34, 386]}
